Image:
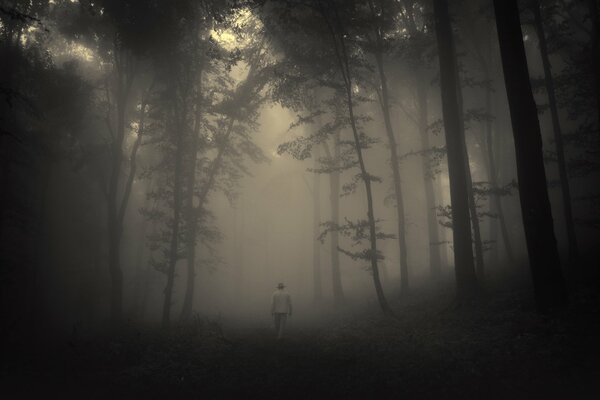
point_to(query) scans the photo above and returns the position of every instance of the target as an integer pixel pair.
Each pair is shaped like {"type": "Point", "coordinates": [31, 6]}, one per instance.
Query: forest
{"type": "Point", "coordinates": [418, 180]}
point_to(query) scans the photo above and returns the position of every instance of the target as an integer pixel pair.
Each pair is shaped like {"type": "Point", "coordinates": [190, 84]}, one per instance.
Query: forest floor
{"type": "Point", "coordinates": [498, 349]}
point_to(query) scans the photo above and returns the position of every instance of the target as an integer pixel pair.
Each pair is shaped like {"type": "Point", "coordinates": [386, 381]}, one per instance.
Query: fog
{"type": "Point", "coordinates": [421, 177]}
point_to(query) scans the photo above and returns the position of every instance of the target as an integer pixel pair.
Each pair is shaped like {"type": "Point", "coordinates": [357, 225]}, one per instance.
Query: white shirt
{"type": "Point", "coordinates": [281, 303]}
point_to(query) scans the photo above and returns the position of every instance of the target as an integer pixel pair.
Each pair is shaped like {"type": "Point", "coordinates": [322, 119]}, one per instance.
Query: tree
{"type": "Point", "coordinates": [418, 43]}
{"type": "Point", "coordinates": [482, 41]}
{"type": "Point", "coordinates": [325, 21]}
{"type": "Point", "coordinates": [556, 129]}
{"type": "Point", "coordinates": [544, 261]}
{"type": "Point", "coordinates": [316, 193]}
{"type": "Point", "coordinates": [377, 46]}
{"type": "Point", "coordinates": [329, 13]}
{"type": "Point", "coordinates": [459, 190]}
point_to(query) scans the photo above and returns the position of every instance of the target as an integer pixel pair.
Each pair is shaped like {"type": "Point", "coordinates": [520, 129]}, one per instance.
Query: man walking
{"type": "Point", "coordinates": [281, 307]}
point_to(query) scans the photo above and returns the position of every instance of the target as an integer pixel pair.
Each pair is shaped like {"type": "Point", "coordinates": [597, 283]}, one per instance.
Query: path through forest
{"type": "Point", "coordinates": [494, 350]}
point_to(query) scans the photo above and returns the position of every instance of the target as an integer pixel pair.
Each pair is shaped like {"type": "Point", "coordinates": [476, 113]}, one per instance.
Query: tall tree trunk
{"type": "Point", "coordinates": [494, 204]}
{"type": "Point", "coordinates": [239, 282]}
{"type": "Point", "coordinates": [475, 225]}
{"type": "Point", "coordinates": [544, 260]}
{"type": "Point", "coordinates": [316, 192]}
{"type": "Point", "coordinates": [432, 223]}
{"type": "Point", "coordinates": [334, 202]}
{"type": "Point", "coordinates": [560, 151]}
{"type": "Point", "coordinates": [115, 211]}
{"type": "Point", "coordinates": [192, 220]}
{"type": "Point", "coordinates": [173, 254]}
{"type": "Point", "coordinates": [479, 263]}
{"type": "Point", "coordinates": [459, 190]}
{"type": "Point", "coordinates": [444, 242]}
{"type": "Point", "coordinates": [435, 247]}
{"type": "Point", "coordinates": [394, 162]}
{"type": "Point", "coordinates": [343, 63]}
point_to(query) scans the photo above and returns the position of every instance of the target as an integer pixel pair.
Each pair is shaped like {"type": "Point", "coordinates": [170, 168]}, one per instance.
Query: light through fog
{"type": "Point", "coordinates": [312, 199]}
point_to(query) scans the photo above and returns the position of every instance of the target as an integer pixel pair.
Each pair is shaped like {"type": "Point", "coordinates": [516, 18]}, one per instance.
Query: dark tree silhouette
{"type": "Point", "coordinates": [459, 190]}
{"type": "Point", "coordinates": [544, 260]}
{"type": "Point", "coordinates": [557, 130]}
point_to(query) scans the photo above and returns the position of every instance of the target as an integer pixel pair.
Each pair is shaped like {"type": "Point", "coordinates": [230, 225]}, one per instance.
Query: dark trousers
{"type": "Point", "coordinates": [279, 319]}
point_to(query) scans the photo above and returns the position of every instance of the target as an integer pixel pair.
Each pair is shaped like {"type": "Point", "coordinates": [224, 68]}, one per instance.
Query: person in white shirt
{"type": "Point", "coordinates": [281, 307]}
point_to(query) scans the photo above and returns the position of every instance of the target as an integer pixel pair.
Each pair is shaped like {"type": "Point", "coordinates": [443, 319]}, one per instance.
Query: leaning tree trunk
{"type": "Point", "coordinates": [560, 151]}
{"type": "Point", "coordinates": [432, 223]}
{"type": "Point", "coordinates": [459, 191]}
{"type": "Point", "coordinates": [544, 261]}
{"type": "Point", "coordinates": [316, 192]}
{"type": "Point", "coordinates": [395, 164]}
{"type": "Point", "coordinates": [343, 63]}
{"type": "Point", "coordinates": [334, 202]}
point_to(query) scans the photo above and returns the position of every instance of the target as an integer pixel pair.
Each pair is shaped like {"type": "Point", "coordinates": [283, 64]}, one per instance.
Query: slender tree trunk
{"type": "Point", "coordinates": [367, 182]}
{"type": "Point", "coordinates": [318, 294]}
{"type": "Point", "coordinates": [139, 270]}
{"type": "Point", "coordinates": [173, 254]}
{"type": "Point", "coordinates": [192, 220]}
{"type": "Point", "coordinates": [475, 225]}
{"type": "Point", "coordinates": [342, 59]}
{"type": "Point", "coordinates": [444, 231]}
{"type": "Point", "coordinates": [494, 205]}
{"type": "Point", "coordinates": [334, 202]}
{"type": "Point", "coordinates": [560, 151]}
{"type": "Point", "coordinates": [115, 210]}
{"type": "Point", "coordinates": [459, 190]}
{"type": "Point", "coordinates": [495, 200]}
{"type": "Point", "coordinates": [478, 244]}
{"type": "Point", "coordinates": [239, 283]}
{"type": "Point", "coordinates": [395, 164]}
{"type": "Point", "coordinates": [435, 247]}
{"type": "Point", "coordinates": [544, 260]}
{"type": "Point", "coordinates": [432, 223]}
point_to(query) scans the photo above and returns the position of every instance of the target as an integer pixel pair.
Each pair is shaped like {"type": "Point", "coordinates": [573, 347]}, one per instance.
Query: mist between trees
{"type": "Point", "coordinates": [164, 160]}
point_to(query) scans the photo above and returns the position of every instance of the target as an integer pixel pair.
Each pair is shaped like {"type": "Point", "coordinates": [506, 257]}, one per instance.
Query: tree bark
{"type": "Point", "coordinates": [432, 223]}
{"type": "Point", "coordinates": [494, 204]}
{"type": "Point", "coordinates": [556, 128]}
{"type": "Point", "coordinates": [115, 208]}
{"type": "Point", "coordinates": [466, 281]}
{"type": "Point", "coordinates": [334, 202]}
{"type": "Point", "coordinates": [435, 249]}
{"type": "Point", "coordinates": [173, 254]}
{"type": "Point", "coordinates": [475, 225]}
{"type": "Point", "coordinates": [544, 261]}
{"type": "Point", "coordinates": [394, 162]}
{"type": "Point", "coordinates": [316, 192]}
{"type": "Point", "coordinates": [192, 220]}
{"type": "Point", "coordinates": [343, 62]}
